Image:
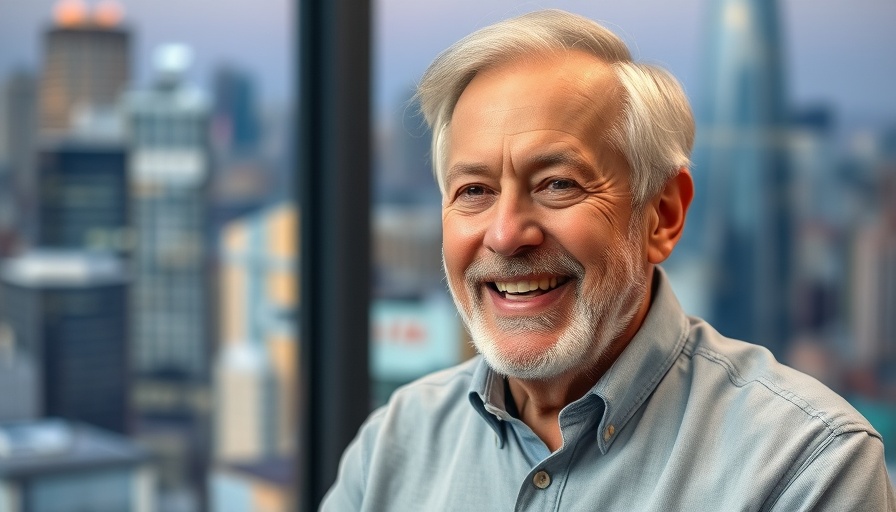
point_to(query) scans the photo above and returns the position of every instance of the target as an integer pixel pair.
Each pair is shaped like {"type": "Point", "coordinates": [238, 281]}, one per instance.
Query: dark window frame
{"type": "Point", "coordinates": [333, 160]}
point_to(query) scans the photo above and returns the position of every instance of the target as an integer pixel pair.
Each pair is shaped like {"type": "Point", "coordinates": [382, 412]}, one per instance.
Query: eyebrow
{"type": "Point", "coordinates": [559, 158]}
{"type": "Point", "coordinates": [466, 169]}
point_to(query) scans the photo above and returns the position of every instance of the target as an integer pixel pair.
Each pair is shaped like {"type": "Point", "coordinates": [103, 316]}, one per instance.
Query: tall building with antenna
{"type": "Point", "coordinates": [168, 169]}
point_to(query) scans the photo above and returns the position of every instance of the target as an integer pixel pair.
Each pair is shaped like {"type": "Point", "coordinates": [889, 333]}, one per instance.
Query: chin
{"type": "Point", "coordinates": [526, 354]}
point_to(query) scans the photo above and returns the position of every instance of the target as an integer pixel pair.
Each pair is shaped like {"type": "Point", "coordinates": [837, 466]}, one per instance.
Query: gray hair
{"type": "Point", "coordinates": [655, 132]}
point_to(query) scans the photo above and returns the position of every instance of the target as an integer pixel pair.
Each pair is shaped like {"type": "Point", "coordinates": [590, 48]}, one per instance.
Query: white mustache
{"type": "Point", "coordinates": [545, 261]}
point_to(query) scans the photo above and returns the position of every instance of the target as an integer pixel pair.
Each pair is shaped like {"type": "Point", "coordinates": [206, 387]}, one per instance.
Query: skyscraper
{"type": "Point", "coordinates": [255, 370]}
{"type": "Point", "coordinates": [740, 225]}
{"type": "Point", "coordinates": [404, 171]}
{"type": "Point", "coordinates": [872, 298]}
{"type": "Point", "coordinates": [256, 362]}
{"type": "Point", "coordinates": [18, 120]}
{"type": "Point", "coordinates": [86, 63]}
{"type": "Point", "coordinates": [168, 169]}
{"type": "Point", "coordinates": [83, 201]}
{"type": "Point", "coordinates": [18, 371]}
{"type": "Point", "coordinates": [67, 313]}
{"type": "Point", "coordinates": [235, 114]}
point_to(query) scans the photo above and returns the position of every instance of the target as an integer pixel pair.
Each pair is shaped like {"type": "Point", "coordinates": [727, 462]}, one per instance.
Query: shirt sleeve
{"type": "Point", "coordinates": [847, 474]}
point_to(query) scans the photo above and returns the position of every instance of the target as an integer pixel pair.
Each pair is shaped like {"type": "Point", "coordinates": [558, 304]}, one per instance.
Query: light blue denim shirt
{"type": "Point", "coordinates": [685, 419]}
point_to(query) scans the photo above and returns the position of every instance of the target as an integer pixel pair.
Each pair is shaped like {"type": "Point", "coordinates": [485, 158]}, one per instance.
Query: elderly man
{"type": "Point", "coordinates": [563, 167]}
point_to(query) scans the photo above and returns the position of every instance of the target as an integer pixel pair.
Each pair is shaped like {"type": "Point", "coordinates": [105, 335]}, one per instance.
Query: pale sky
{"type": "Point", "coordinates": [836, 51]}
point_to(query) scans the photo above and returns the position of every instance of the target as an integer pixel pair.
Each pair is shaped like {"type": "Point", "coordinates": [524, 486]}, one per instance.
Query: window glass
{"type": "Point", "coordinates": [144, 168]}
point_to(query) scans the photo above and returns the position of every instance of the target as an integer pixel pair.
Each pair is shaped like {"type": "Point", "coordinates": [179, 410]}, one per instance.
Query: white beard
{"type": "Point", "coordinates": [600, 314]}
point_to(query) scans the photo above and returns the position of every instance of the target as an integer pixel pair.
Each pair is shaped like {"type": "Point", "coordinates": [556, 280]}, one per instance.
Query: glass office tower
{"type": "Point", "coordinates": [83, 202]}
{"type": "Point", "coordinates": [67, 313]}
{"type": "Point", "coordinates": [168, 171]}
{"type": "Point", "coordinates": [739, 226]}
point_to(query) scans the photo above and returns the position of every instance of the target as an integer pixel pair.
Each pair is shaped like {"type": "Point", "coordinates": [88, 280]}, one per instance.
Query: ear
{"type": "Point", "coordinates": [667, 212]}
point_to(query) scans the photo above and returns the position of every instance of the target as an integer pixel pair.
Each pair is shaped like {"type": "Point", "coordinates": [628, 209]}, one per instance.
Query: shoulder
{"type": "Point", "coordinates": [784, 427]}
{"type": "Point", "coordinates": [436, 390]}
{"type": "Point", "coordinates": [407, 443]}
{"type": "Point", "coordinates": [751, 370]}
{"type": "Point", "coordinates": [760, 429]}
{"type": "Point", "coordinates": [431, 400]}
{"type": "Point", "coordinates": [448, 381]}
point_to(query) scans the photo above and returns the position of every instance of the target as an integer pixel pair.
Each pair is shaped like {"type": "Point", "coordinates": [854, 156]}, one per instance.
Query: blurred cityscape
{"type": "Point", "coordinates": [147, 288]}
{"type": "Point", "coordinates": [149, 243]}
{"type": "Point", "coordinates": [791, 239]}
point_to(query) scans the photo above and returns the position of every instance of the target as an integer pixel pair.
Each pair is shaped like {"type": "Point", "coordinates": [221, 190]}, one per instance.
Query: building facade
{"type": "Point", "coordinates": [86, 65]}
{"type": "Point", "coordinates": [67, 313]}
{"type": "Point", "coordinates": [255, 374]}
{"type": "Point", "coordinates": [83, 195]}
{"type": "Point", "coordinates": [168, 170]}
{"type": "Point", "coordinates": [18, 128]}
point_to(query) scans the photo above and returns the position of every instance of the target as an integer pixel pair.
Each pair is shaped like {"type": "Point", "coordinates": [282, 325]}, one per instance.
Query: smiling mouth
{"type": "Point", "coordinates": [527, 288]}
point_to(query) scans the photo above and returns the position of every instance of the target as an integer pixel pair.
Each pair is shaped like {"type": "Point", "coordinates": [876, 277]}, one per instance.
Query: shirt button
{"type": "Point", "coordinates": [608, 433]}
{"type": "Point", "coordinates": [541, 479]}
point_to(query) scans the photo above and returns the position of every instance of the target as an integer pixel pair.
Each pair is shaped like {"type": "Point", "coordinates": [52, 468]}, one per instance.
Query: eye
{"type": "Point", "coordinates": [561, 184]}
{"type": "Point", "coordinates": [472, 191]}
{"type": "Point", "coordinates": [474, 197]}
{"type": "Point", "coordinates": [559, 192]}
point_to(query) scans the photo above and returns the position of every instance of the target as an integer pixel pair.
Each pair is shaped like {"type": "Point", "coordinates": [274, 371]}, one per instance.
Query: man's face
{"type": "Point", "coordinates": [541, 255]}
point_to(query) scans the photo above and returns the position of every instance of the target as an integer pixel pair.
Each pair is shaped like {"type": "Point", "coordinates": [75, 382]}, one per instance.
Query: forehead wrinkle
{"type": "Point", "coordinates": [600, 107]}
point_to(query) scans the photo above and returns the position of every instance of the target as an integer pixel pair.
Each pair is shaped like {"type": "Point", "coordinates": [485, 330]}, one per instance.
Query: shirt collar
{"type": "Point", "coordinates": [487, 397]}
{"type": "Point", "coordinates": [643, 363]}
{"type": "Point", "coordinates": [627, 383]}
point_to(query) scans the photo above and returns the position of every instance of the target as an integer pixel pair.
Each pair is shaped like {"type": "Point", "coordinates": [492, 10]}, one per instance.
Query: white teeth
{"type": "Point", "coordinates": [527, 286]}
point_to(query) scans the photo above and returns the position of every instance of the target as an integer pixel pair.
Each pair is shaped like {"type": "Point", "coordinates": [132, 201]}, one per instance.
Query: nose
{"type": "Point", "coordinates": [514, 227]}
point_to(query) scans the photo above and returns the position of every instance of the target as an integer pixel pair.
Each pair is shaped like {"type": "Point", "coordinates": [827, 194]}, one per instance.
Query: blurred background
{"type": "Point", "coordinates": [149, 231]}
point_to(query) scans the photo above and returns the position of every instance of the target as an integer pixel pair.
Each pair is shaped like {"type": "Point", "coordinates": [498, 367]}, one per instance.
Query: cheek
{"type": "Point", "coordinates": [461, 235]}
{"type": "Point", "coordinates": [597, 252]}
{"type": "Point", "coordinates": [588, 234]}
{"type": "Point", "coordinates": [458, 249]}
{"type": "Point", "coordinates": [579, 238]}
